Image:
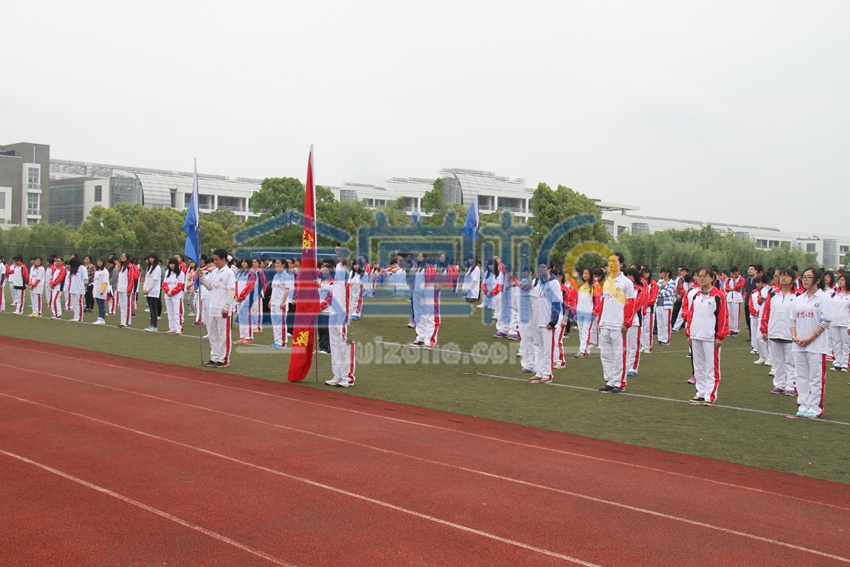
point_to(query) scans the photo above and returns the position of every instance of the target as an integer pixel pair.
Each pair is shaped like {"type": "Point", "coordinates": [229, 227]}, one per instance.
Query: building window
{"type": "Point", "coordinates": [773, 244]}
{"type": "Point", "coordinates": [811, 247]}
{"type": "Point", "coordinates": [622, 229]}
{"type": "Point", "coordinates": [31, 222]}
{"type": "Point", "coordinates": [32, 204]}
{"type": "Point", "coordinates": [640, 228]}
{"type": "Point", "coordinates": [844, 249]}
{"type": "Point", "coordinates": [33, 181]}
{"type": "Point", "coordinates": [98, 193]}
{"type": "Point", "coordinates": [3, 202]}
{"type": "Point", "coordinates": [743, 235]}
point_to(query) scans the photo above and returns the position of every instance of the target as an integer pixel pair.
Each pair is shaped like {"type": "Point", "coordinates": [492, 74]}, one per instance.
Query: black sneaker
{"type": "Point", "coordinates": [606, 389]}
{"type": "Point", "coordinates": [616, 390]}
{"type": "Point", "coordinates": [221, 365]}
{"type": "Point", "coordinates": [209, 363]}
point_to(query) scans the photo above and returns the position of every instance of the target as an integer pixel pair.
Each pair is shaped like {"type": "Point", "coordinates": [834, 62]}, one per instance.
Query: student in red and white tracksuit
{"type": "Point", "coordinates": [57, 281]}
{"type": "Point", "coordinates": [734, 288]}
{"type": "Point", "coordinates": [648, 323]}
{"type": "Point", "coordinates": [246, 280]}
{"type": "Point", "coordinates": [616, 313]}
{"type": "Point", "coordinates": [775, 327]}
{"type": "Point", "coordinates": [707, 325]}
{"type": "Point", "coordinates": [635, 332]}
{"type": "Point", "coordinates": [811, 314]}
{"type": "Point", "coordinates": [334, 302]}
{"type": "Point", "coordinates": [36, 283]}
{"type": "Point", "coordinates": [356, 290]}
{"type": "Point", "coordinates": [3, 269]}
{"type": "Point", "coordinates": [664, 307]}
{"type": "Point", "coordinates": [18, 280]}
{"type": "Point", "coordinates": [173, 285]}
{"type": "Point", "coordinates": [755, 305]}
{"type": "Point", "coordinates": [259, 294]}
{"type": "Point", "coordinates": [281, 294]}
{"type": "Point", "coordinates": [549, 311]}
{"type": "Point", "coordinates": [569, 300]}
{"type": "Point", "coordinates": [126, 290]}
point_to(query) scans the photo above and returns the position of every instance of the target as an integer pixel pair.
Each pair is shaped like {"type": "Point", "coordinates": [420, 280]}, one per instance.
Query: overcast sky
{"type": "Point", "coordinates": [721, 111]}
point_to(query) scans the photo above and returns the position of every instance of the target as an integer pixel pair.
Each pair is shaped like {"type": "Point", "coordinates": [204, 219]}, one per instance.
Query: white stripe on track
{"type": "Point", "coordinates": [151, 509]}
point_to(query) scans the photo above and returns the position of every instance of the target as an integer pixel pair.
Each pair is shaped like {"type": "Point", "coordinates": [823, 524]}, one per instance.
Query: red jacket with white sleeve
{"type": "Point", "coordinates": [708, 315]}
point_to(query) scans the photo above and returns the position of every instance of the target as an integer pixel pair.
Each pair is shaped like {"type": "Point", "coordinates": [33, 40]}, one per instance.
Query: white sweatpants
{"type": "Point", "coordinates": [646, 330]}
{"type": "Point", "coordinates": [840, 346]}
{"type": "Point", "coordinates": [758, 341]}
{"type": "Point", "coordinates": [174, 305]}
{"type": "Point", "coordinates": [219, 331]}
{"type": "Point", "coordinates": [612, 344]}
{"type": "Point", "coordinates": [734, 317]}
{"type": "Point", "coordinates": [545, 351]}
{"type": "Point", "coordinates": [342, 353]}
{"type": "Point", "coordinates": [125, 307]}
{"type": "Point", "coordinates": [664, 324]}
{"type": "Point", "coordinates": [56, 303]}
{"type": "Point", "coordinates": [584, 330]}
{"type": "Point", "coordinates": [278, 317]}
{"type": "Point", "coordinates": [527, 331]}
{"type": "Point", "coordinates": [633, 342]}
{"type": "Point", "coordinates": [810, 368]}
{"type": "Point", "coordinates": [706, 360]}
{"type": "Point", "coordinates": [77, 305]}
{"type": "Point", "coordinates": [782, 360]}
{"type": "Point", "coordinates": [35, 302]}
{"type": "Point", "coordinates": [245, 317]}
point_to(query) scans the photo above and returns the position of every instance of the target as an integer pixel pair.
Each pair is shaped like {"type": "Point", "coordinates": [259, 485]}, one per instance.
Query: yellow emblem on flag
{"type": "Point", "coordinates": [306, 240]}
{"type": "Point", "coordinates": [302, 339]}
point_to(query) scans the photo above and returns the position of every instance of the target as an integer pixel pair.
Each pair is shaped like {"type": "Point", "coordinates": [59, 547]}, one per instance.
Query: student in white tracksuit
{"type": "Point", "coordinates": [125, 291]}
{"type": "Point", "coordinates": [838, 328]}
{"type": "Point", "coordinates": [526, 313]}
{"type": "Point", "coordinates": [616, 312]}
{"type": "Point", "coordinates": [219, 279]}
{"type": "Point", "coordinates": [78, 277]}
{"type": "Point", "coordinates": [549, 309]}
{"type": "Point", "coordinates": [55, 284]}
{"type": "Point", "coordinates": [471, 280]}
{"type": "Point", "coordinates": [428, 286]}
{"type": "Point", "coordinates": [173, 285]}
{"type": "Point", "coordinates": [334, 301]}
{"type": "Point", "coordinates": [505, 322]}
{"type": "Point", "coordinates": [811, 315]}
{"type": "Point", "coordinates": [18, 280]}
{"type": "Point", "coordinates": [664, 305]}
{"type": "Point", "coordinates": [100, 286]}
{"type": "Point", "coordinates": [734, 288]}
{"type": "Point", "coordinates": [279, 302]}
{"type": "Point", "coordinates": [775, 327]}
{"type": "Point", "coordinates": [355, 291]}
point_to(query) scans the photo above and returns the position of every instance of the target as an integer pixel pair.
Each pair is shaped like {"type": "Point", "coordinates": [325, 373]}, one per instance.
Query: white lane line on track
{"type": "Point", "coordinates": [151, 509]}
{"type": "Point", "coordinates": [430, 461]}
{"type": "Point", "coordinates": [289, 477]}
{"type": "Point", "coordinates": [435, 427]}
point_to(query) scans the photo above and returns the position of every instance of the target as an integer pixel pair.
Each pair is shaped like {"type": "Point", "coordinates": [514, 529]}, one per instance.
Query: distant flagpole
{"type": "Point", "coordinates": [306, 288]}
{"type": "Point", "coordinates": [192, 248]}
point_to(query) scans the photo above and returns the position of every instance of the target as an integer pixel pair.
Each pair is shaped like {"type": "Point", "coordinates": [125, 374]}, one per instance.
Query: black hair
{"type": "Point", "coordinates": [766, 279]}
{"type": "Point", "coordinates": [155, 261]}
{"type": "Point", "coordinates": [221, 253]}
{"type": "Point", "coordinates": [172, 262]}
{"type": "Point", "coordinates": [817, 274]}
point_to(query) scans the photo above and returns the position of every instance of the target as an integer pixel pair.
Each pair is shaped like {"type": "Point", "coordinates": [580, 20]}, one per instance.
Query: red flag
{"type": "Point", "coordinates": [306, 288]}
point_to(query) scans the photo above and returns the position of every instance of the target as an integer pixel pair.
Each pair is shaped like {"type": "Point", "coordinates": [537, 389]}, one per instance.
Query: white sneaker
{"type": "Point", "coordinates": [754, 351]}
{"type": "Point", "coordinates": [344, 383]}
{"type": "Point", "coordinates": [480, 306]}
{"type": "Point", "coordinates": [760, 361]}
{"type": "Point", "coordinates": [333, 381]}
{"type": "Point", "coordinates": [99, 322]}
{"type": "Point", "coordinates": [771, 373]}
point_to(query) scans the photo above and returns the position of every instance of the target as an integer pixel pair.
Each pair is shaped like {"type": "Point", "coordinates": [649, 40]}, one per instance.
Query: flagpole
{"type": "Point", "coordinates": [316, 344]}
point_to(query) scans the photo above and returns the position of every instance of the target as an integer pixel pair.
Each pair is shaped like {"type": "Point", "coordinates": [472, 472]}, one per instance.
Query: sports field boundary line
{"type": "Point", "coordinates": [150, 509]}
{"type": "Point", "coordinates": [324, 486]}
{"type": "Point", "coordinates": [443, 428]}
{"type": "Point", "coordinates": [417, 424]}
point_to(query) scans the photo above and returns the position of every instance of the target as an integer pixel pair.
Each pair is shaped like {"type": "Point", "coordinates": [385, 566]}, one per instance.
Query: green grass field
{"type": "Point", "coordinates": [478, 375]}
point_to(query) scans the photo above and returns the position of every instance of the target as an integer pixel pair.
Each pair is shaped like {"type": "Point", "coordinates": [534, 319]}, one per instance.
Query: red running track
{"type": "Point", "coordinates": [122, 462]}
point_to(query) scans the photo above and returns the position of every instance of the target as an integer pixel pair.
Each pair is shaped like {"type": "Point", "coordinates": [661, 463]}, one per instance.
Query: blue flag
{"type": "Point", "coordinates": [470, 226]}
{"type": "Point", "coordinates": [192, 224]}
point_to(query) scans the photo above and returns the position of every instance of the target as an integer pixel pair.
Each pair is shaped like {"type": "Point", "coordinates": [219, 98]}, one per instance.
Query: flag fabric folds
{"type": "Point", "coordinates": [306, 288]}
{"type": "Point", "coordinates": [192, 224]}
{"type": "Point", "coordinates": [470, 226]}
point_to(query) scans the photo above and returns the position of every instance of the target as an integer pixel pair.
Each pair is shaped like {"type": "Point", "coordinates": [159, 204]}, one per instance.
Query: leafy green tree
{"type": "Point", "coordinates": [224, 217]}
{"type": "Point", "coordinates": [277, 195]}
{"type": "Point", "coordinates": [353, 215]}
{"type": "Point", "coordinates": [105, 228]}
{"type": "Point", "coordinates": [17, 236]}
{"type": "Point", "coordinates": [128, 211]}
{"type": "Point", "coordinates": [396, 213]}
{"type": "Point", "coordinates": [58, 235]}
{"type": "Point", "coordinates": [214, 236]}
{"type": "Point", "coordinates": [433, 201]}
{"type": "Point", "coordinates": [553, 207]}
{"type": "Point", "coordinates": [155, 230]}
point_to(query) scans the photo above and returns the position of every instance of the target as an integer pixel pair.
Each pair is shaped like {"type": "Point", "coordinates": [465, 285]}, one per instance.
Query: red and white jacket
{"type": "Point", "coordinates": [775, 315]}
{"type": "Point", "coordinates": [708, 315]}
